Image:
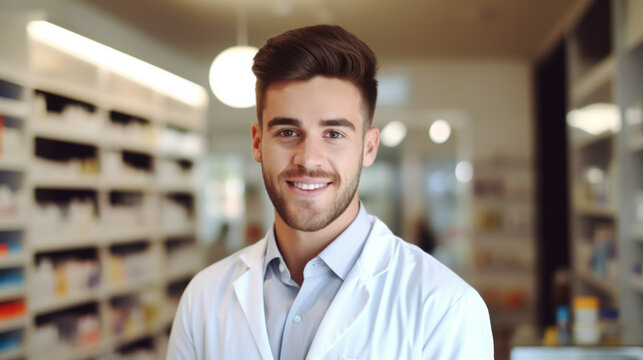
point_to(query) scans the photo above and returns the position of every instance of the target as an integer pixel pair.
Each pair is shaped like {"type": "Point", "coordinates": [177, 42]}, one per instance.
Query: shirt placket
{"type": "Point", "coordinates": [294, 336]}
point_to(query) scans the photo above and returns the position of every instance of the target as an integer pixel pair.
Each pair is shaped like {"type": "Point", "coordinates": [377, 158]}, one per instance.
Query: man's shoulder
{"type": "Point", "coordinates": [420, 269]}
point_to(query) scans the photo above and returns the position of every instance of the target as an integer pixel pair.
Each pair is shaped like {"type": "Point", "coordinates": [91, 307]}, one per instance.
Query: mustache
{"type": "Point", "coordinates": [303, 172]}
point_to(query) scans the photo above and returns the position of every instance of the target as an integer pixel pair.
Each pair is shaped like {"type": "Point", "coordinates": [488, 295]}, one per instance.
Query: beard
{"type": "Point", "coordinates": [303, 215]}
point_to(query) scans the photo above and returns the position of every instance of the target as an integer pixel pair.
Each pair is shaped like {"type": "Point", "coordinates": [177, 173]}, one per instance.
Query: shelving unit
{"type": "Point", "coordinates": [106, 172]}
{"type": "Point", "coordinates": [503, 244]}
{"type": "Point", "coordinates": [607, 166]}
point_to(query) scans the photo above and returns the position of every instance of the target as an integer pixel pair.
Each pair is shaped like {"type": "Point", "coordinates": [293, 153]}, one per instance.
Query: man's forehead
{"type": "Point", "coordinates": [326, 98]}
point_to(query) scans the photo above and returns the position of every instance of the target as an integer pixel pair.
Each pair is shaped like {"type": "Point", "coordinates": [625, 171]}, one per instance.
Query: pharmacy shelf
{"type": "Point", "coordinates": [179, 231]}
{"type": "Point", "coordinates": [595, 78]}
{"type": "Point", "coordinates": [13, 354]}
{"type": "Point", "coordinates": [604, 286]}
{"type": "Point", "coordinates": [67, 89]}
{"type": "Point", "coordinates": [132, 107]}
{"type": "Point", "coordinates": [13, 163]}
{"type": "Point", "coordinates": [137, 147]}
{"type": "Point", "coordinates": [12, 292]}
{"type": "Point", "coordinates": [14, 108]}
{"type": "Point", "coordinates": [173, 276]}
{"type": "Point", "coordinates": [121, 340]}
{"type": "Point", "coordinates": [43, 306]}
{"type": "Point", "coordinates": [16, 223]}
{"type": "Point", "coordinates": [138, 185]}
{"type": "Point", "coordinates": [12, 260]}
{"type": "Point", "coordinates": [13, 324]}
{"type": "Point", "coordinates": [131, 286]}
{"type": "Point", "coordinates": [61, 242]}
{"type": "Point", "coordinates": [128, 235]}
{"type": "Point", "coordinates": [177, 187]}
{"type": "Point", "coordinates": [587, 140]}
{"type": "Point", "coordinates": [595, 210]}
{"type": "Point", "coordinates": [50, 130]}
{"type": "Point", "coordinates": [70, 182]}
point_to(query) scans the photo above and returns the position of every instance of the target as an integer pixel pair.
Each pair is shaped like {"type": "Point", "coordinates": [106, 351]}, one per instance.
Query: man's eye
{"type": "Point", "coordinates": [334, 135]}
{"type": "Point", "coordinates": [287, 133]}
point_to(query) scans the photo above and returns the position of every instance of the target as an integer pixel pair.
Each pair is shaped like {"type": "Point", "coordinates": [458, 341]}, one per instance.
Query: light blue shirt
{"type": "Point", "coordinates": [294, 313]}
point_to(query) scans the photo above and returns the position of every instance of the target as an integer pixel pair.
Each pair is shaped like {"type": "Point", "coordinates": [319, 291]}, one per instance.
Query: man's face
{"type": "Point", "coordinates": [312, 147]}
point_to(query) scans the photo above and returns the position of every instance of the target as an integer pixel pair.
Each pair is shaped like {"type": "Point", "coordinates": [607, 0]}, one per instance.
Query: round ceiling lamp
{"type": "Point", "coordinates": [231, 77]}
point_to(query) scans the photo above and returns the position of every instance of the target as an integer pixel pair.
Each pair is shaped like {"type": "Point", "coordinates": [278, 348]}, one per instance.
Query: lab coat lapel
{"type": "Point", "coordinates": [249, 291]}
{"type": "Point", "coordinates": [354, 294]}
{"type": "Point", "coordinates": [348, 304]}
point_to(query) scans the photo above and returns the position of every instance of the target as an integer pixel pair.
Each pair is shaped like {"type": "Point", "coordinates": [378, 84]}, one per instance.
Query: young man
{"type": "Point", "coordinates": [328, 281]}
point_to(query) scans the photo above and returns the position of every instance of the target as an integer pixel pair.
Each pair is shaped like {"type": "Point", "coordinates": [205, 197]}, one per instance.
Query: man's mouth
{"type": "Point", "coordinates": [306, 186]}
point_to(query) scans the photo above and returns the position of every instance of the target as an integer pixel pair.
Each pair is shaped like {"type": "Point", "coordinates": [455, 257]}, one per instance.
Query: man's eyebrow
{"type": "Point", "coordinates": [337, 122]}
{"type": "Point", "coordinates": [282, 121]}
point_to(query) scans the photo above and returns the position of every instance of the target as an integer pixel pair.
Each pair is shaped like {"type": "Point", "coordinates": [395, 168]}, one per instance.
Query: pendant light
{"type": "Point", "coordinates": [231, 77]}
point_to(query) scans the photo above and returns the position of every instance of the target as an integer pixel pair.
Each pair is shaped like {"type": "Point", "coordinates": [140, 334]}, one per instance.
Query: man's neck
{"type": "Point", "coordinates": [299, 247]}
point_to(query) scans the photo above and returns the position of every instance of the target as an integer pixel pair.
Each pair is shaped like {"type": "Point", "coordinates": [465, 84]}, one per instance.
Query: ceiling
{"type": "Point", "coordinates": [401, 29]}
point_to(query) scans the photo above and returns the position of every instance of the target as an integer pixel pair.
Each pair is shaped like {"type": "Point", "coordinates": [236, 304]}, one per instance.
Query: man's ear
{"type": "Point", "coordinates": [371, 144]}
{"type": "Point", "coordinates": [256, 142]}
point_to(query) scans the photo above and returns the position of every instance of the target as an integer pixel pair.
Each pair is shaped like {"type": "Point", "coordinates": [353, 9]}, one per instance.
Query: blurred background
{"type": "Point", "coordinates": [512, 150]}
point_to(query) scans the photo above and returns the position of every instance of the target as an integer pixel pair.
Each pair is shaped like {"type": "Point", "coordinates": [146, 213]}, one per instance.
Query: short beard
{"type": "Point", "coordinates": [308, 220]}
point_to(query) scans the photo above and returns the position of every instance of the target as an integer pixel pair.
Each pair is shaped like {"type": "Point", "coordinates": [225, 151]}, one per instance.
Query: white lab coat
{"type": "Point", "coordinates": [396, 303]}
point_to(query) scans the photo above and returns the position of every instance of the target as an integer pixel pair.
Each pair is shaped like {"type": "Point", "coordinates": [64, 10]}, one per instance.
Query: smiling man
{"type": "Point", "coordinates": [328, 281]}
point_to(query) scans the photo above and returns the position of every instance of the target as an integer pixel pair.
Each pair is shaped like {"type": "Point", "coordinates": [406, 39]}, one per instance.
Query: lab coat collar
{"type": "Point", "coordinates": [344, 310]}
{"type": "Point", "coordinates": [249, 291]}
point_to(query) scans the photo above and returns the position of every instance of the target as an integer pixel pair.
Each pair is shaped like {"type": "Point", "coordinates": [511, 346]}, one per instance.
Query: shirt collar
{"type": "Point", "coordinates": [341, 254]}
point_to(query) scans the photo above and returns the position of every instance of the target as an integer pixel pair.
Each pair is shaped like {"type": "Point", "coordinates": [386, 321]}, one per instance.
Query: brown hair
{"type": "Point", "coordinates": [325, 50]}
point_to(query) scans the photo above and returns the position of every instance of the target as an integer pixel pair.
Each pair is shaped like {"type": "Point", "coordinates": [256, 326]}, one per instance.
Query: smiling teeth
{"type": "Point", "coordinates": [308, 186]}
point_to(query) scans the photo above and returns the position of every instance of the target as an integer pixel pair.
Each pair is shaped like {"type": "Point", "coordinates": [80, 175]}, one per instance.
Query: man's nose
{"type": "Point", "coordinates": [309, 153]}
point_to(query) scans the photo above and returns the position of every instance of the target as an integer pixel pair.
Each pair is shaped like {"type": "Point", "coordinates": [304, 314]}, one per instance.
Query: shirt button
{"type": "Point", "coordinates": [296, 319]}
{"type": "Point", "coordinates": [281, 267]}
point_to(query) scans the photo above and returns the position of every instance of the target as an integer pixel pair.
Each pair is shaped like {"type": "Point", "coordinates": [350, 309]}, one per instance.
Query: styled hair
{"type": "Point", "coordinates": [321, 50]}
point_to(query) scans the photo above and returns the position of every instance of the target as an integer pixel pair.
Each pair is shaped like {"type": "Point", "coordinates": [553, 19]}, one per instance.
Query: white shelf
{"type": "Point", "coordinates": [186, 230]}
{"type": "Point", "coordinates": [62, 242]}
{"type": "Point", "coordinates": [17, 223]}
{"type": "Point", "coordinates": [118, 341]}
{"type": "Point", "coordinates": [132, 107]}
{"type": "Point", "coordinates": [177, 187]}
{"type": "Point", "coordinates": [592, 80]}
{"type": "Point", "coordinates": [595, 210]}
{"type": "Point", "coordinates": [14, 108]}
{"type": "Point", "coordinates": [12, 292]}
{"type": "Point", "coordinates": [13, 163]}
{"type": "Point", "coordinates": [13, 324]}
{"type": "Point", "coordinates": [64, 133]}
{"type": "Point", "coordinates": [142, 185]}
{"type": "Point", "coordinates": [182, 274]}
{"type": "Point", "coordinates": [71, 182]}
{"type": "Point", "coordinates": [128, 235]}
{"type": "Point", "coordinates": [67, 89]}
{"type": "Point", "coordinates": [138, 147]}
{"type": "Point", "coordinates": [13, 354]}
{"type": "Point", "coordinates": [51, 305]}
{"type": "Point", "coordinates": [12, 260]}
{"type": "Point", "coordinates": [131, 286]}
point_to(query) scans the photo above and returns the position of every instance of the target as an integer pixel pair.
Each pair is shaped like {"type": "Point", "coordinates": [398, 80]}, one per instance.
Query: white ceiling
{"type": "Point", "coordinates": [408, 29]}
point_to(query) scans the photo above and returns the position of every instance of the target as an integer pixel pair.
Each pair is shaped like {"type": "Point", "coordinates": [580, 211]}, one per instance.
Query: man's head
{"type": "Point", "coordinates": [315, 97]}
{"type": "Point", "coordinates": [321, 50]}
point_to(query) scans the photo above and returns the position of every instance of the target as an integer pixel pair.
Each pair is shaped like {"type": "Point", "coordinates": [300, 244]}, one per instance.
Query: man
{"type": "Point", "coordinates": [328, 281]}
